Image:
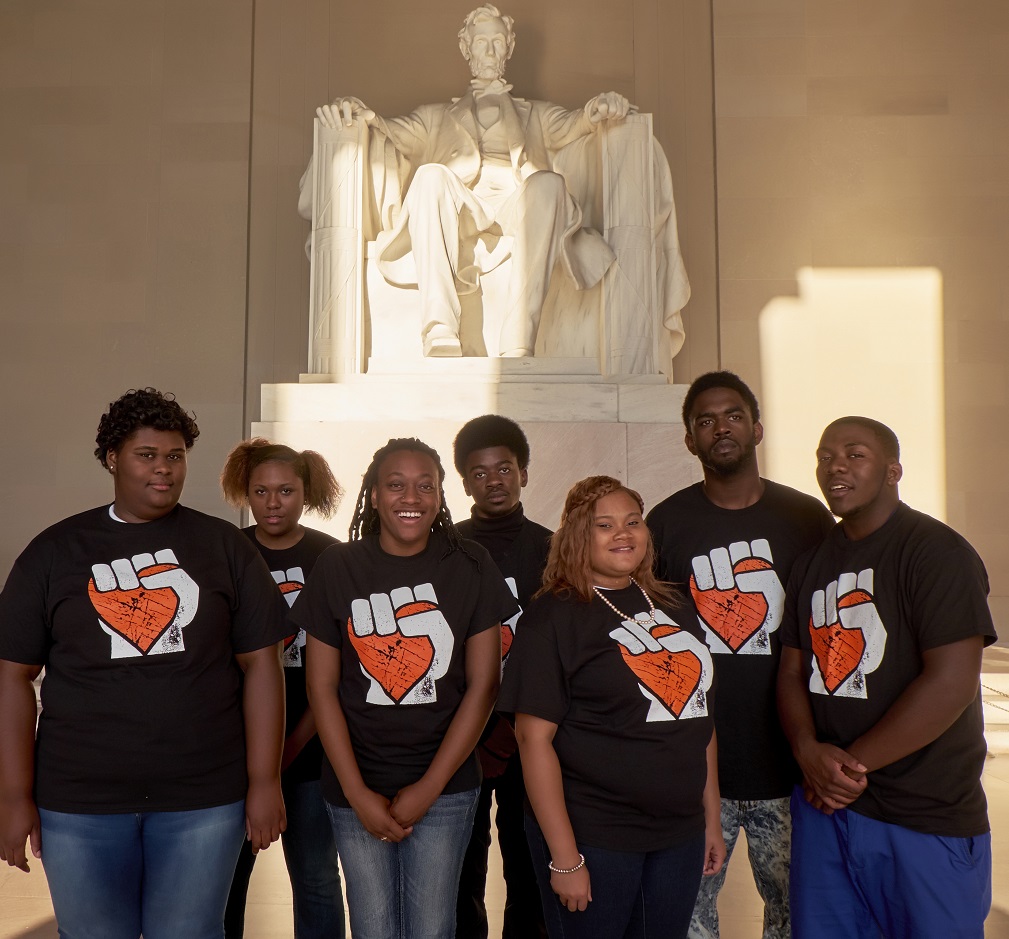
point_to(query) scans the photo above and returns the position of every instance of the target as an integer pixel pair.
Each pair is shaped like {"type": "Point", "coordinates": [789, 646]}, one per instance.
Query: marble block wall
{"type": "Point", "coordinates": [640, 444]}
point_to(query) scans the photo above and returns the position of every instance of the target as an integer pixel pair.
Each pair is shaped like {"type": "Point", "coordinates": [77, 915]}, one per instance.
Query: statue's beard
{"type": "Point", "coordinates": [486, 68]}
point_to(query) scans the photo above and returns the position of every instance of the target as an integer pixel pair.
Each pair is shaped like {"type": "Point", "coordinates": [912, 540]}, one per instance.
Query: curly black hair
{"type": "Point", "coordinates": [366, 520]}
{"type": "Point", "coordinates": [142, 407]}
{"type": "Point", "coordinates": [489, 430]}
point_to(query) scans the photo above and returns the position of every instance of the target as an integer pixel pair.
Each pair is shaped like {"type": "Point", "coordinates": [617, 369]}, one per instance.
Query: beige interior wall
{"type": "Point", "coordinates": [868, 135]}
{"type": "Point", "coordinates": [123, 194]}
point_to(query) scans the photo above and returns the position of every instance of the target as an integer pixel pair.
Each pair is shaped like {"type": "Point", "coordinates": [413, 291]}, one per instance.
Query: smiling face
{"type": "Point", "coordinates": [857, 478]}
{"type": "Point", "coordinates": [619, 540]}
{"type": "Point", "coordinates": [722, 433]}
{"type": "Point", "coordinates": [488, 48]}
{"type": "Point", "coordinates": [149, 471]}
{"type": "Point", "coordinates": [277, 499]}
{"type": "Point", "coordinates": [493, 480]}
{"type": "Point", "coordinates": [407, 497]}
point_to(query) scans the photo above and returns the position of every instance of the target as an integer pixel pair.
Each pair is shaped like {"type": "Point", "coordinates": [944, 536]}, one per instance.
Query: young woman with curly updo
{"type": "Point", "coordinates": [154, 760]}
{"type": "Point", "coordinates": [611, 697]}
{"type": "Point", "coordinates": [404, 654]}
{"type": "Point", "coordinates": [277, 484]}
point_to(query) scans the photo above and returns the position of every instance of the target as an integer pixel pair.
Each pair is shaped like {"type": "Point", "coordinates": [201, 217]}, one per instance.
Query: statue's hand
{"type": "Point", "coordinates": [609, 106]}
{"type": "Point", "coordinates": [343, 112]}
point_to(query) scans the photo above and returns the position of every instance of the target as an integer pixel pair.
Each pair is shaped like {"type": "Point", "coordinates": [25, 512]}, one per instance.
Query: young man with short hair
{"type": "Point", "coordinates": [731, 541]}
{"type": "Point", "coordinates": [492, 456]}
{"type": "Point", "coordinates": [879, 692]}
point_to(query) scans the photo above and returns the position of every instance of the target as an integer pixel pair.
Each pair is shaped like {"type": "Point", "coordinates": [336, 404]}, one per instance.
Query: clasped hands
{"type": "Point", "coordinates": [393, 819]}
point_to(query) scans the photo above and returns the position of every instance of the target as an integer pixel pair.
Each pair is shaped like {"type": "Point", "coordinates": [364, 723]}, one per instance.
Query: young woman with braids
{"type": "Point", "coordinates": [404, 654]}
{"type": "Point", "coordinates": [611, 698]}
{"type": "Point", "coordinates": [277, 484]}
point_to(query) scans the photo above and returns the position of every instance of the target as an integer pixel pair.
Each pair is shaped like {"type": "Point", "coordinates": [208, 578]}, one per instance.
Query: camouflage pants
{"type": "Point", "coordinates": [768, 828]}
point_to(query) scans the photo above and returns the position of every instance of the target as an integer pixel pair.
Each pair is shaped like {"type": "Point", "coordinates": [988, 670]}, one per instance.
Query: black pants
{"type": "Point", "coordinates": [523, 914]}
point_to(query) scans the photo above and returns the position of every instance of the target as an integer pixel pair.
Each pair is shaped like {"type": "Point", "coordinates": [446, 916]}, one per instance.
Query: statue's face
{"type": "Point", "coordinates": [488, 49]}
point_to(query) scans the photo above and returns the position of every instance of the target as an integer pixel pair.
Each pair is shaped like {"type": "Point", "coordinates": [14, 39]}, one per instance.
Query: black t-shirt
{"type": "Point", "coordinates": [632, 716]}
{"type": "Point", "coordinates": [863, 612]}
{"type": "Point", "coordinates": [734, 564]}
{"type": "Point", "coordinates": [290, 568]}
{"type": "Point", "coordinates": [137, 626]}
{"type": "Point", "coordinates": [401, 625]}
{"type": "Point", "coordinates": [519, 548]}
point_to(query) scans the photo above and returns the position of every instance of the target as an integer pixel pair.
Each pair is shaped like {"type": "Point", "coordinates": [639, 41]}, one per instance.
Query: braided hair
{"type": "Point", "coordinates": [366, 520]}
{"type": "Point", "coordinates": [568, 569]}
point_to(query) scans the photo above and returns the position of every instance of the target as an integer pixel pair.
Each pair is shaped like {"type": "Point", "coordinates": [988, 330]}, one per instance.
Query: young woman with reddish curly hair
{"type": "Point", "coordinates": [158, 746]}
{"type": "Point", "coordinates": [277, 484]}
{"type": "Point", "coordinates": [611, 698]}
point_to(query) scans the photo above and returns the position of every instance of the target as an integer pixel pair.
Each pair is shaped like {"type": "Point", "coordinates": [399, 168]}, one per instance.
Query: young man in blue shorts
{"type": "Point", "coordinates": [879, 694]}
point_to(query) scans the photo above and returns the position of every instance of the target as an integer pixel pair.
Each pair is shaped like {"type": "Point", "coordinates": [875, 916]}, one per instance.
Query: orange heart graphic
{"type": "Point", "coordinates": [396, 662]}
{"type": "Point", "coordinates": [289, 586]}
{"type": "Point", "coordinates": [507, 638]}
{"type": "Point", "coordinates": [139, 615]}
{"type": "Point", "coordinates": [671, 676]}
{"type": "Point", "coordinates": [731, 614]}
{"type": "Point", "coordinates": [838, 650]}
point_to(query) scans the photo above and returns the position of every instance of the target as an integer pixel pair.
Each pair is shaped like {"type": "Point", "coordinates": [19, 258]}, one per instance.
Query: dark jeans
{"type": "Point", "coordinates": [635, 894]}
{"type": "Point", "coordinates": [523, 913]}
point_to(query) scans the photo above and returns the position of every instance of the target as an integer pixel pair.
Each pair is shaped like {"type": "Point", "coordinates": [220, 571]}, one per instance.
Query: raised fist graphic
{"type": "Point", "coordinates": [508, 626]}
{"type": "Point", "coordinates": [291, 583]}
{"type": "Point", "coordinates": [144, 603]}
{"type": "Point", "coordinates": [738, 596]}
{"type": "Point", "coordinates": [673, 668]}
{"type": "Point", "coordinates": [848, 636]}
{"type": "Point", "coordinates": [404, 644]}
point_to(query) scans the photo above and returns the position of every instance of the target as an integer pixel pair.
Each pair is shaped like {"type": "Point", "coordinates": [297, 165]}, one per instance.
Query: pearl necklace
{"type": "Point", "coordinates": [650, 621]}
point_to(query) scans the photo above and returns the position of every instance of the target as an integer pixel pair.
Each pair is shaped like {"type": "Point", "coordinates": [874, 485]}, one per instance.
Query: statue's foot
{"type": "Point", "coordinates": [441, 342]}
{"type": "Point", "coordinates": [517, 354]}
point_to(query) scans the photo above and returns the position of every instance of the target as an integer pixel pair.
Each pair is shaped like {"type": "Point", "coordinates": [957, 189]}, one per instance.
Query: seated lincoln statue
{"type": "Point", "coordinates": [470, 184]}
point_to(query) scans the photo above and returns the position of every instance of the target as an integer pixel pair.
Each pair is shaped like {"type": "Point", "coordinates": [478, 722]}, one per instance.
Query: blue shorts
{"type": "Point", "coordinates": [853, 877]}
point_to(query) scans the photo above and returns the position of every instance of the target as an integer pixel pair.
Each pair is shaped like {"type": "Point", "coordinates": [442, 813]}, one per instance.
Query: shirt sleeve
{"type": "Point", "coordinates": [24, 620]}
{"type": "Point", "coordinates": [791, 625]}
{"type": "Point", "coordinates": [316, 611]}
{"type": "Point", "coordinates": [535, 681]}
{"type": "Point", "coordinates": [258, 621]}
{"type": "Point", "coordinates": [950, 594]}
{"type": "Point", "coordinates": [495, 603]}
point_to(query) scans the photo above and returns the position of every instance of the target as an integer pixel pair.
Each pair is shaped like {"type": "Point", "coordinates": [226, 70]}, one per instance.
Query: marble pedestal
{"type": "Point", "coordinates": [577, 422]}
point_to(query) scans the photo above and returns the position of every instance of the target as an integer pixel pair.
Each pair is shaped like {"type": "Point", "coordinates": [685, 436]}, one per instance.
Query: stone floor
{"type": "Point", "coordinates": [26, 911]}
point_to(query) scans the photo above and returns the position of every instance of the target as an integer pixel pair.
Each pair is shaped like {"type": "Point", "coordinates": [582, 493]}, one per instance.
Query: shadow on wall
{"type": "Point", "coordinates": [47, 930]}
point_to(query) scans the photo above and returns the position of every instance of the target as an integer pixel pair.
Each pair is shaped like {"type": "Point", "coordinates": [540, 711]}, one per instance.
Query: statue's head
{"type": "Point", "coordinates": [487, 41]}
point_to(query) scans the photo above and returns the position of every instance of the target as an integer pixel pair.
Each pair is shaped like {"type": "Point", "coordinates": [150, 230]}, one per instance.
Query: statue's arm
{"type": "Point", "coordinates": [562, 126]}
{"type": "Point", "coordinates": [608, 106]}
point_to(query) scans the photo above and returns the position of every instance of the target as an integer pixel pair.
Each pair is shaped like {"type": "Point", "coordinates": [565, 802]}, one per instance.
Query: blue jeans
{"type": "Point", "coordinates": [859, 878]}
{"type": "Point", "coordinates": [163, 874]}
{"type": "Point", "coordinates": [523, 912]}
{"type": "Point", "coordinates": [768, 830]}
{"type": "Point", "coordinates": [310, 853]}
{"type": "Point", "coordinates": [635, 894]}
{"type": "Point", "coordinates": [406, 890]}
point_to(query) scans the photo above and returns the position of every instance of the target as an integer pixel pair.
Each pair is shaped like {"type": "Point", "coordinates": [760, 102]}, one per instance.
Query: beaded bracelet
{"type": "Point", "coordinates": [569, 870]}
